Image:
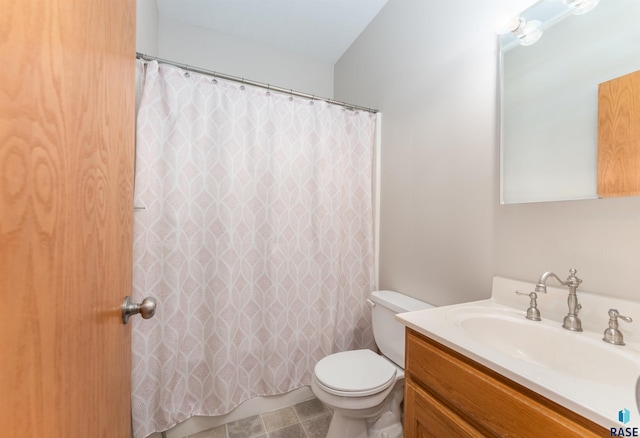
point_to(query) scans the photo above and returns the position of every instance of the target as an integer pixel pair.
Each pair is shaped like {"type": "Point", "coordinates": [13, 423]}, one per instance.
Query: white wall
{"type": "Point", "coordinates": [431, 67]}
{"type": "Point", "coordinates": [147, 27]}
{"type": "Point", "coordinates": [213, 51]}
{"type": "Point", "coordinates": [168, 39]}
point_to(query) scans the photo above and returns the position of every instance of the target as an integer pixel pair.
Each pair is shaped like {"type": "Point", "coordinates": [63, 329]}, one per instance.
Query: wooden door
{"type": "Point", "coordinates": [66, 177]}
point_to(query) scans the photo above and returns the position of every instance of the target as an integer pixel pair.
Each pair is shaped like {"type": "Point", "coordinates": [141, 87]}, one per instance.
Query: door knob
{"type": "Point", "coordinates": [146, 309]}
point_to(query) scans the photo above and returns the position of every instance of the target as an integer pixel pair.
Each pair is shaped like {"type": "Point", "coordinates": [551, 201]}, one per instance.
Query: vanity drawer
{"type": "Point", "coordinates": [426, 417]}
{"type": "Point", "coordinates": [485, 399]}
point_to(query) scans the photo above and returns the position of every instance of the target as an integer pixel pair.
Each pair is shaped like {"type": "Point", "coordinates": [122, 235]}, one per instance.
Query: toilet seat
{"type": "Point", "coordinates": [355, 373]}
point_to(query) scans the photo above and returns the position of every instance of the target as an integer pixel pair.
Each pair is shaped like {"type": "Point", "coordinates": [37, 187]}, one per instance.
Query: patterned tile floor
{"type": "Point", "coordinates": [309, 419]}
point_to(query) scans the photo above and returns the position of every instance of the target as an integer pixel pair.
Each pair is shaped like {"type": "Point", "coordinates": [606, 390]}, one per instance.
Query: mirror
{"type": "Point", "coordinates": [549, 97]}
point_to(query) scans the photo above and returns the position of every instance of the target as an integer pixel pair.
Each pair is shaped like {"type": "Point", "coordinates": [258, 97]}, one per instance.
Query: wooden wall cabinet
{"type": "Point", "coordinates": [450, 395]}
{"type": "Point", "coordinates": [619, 136]}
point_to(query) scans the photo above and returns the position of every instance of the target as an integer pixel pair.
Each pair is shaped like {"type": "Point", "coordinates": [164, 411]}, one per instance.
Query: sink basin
{"type": "Point", "coordinates": [548, 346]}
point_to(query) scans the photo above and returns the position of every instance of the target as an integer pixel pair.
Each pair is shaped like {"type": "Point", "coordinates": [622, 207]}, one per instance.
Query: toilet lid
{"type": "Point", "coordinates": [357, 372]}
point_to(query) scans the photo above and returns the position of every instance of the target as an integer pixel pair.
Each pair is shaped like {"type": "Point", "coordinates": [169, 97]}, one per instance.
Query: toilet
{"type": "Point", "coordinates": [363, 388]}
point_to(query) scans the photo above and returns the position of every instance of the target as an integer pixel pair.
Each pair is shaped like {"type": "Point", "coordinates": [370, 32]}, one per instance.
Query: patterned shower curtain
{"type": "Point", "coordinates": [254, 230]}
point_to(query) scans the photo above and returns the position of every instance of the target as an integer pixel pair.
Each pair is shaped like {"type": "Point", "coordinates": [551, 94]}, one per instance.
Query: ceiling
{"type": "Point", "coordinates": [319, 29]}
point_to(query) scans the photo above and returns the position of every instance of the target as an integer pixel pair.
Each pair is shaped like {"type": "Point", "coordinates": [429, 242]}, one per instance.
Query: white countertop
{"type": "Point", "coordinates": [600, 378]}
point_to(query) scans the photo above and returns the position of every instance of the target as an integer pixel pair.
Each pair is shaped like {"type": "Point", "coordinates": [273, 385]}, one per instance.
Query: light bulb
{"type": "Point", "coordinates": [528, 32]}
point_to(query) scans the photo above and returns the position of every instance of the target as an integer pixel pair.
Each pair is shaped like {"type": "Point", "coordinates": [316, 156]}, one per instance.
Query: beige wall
{"type": "Point", "coordinates": [436, 90]}
{"type": "Point", "coordinates": [431, 67]}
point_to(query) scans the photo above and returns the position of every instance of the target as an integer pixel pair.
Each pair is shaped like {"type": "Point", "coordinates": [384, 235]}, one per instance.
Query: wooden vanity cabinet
{"type": "Point", "coordinates": [450, 395]}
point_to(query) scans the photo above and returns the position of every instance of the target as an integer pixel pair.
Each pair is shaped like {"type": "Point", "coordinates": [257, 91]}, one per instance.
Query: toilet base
{"type": "Point", "coordinates": [382, 421]}
{"type": "Point", "coordinates": [342, 426]}
{"type": "Point", "coordinates": [387, 426]}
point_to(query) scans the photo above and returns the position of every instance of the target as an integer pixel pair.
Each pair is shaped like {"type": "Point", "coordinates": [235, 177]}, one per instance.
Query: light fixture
{"type": "Point", "coordinates": [581, 6]}
{"type": "Point", "coordinates": [527, 32]}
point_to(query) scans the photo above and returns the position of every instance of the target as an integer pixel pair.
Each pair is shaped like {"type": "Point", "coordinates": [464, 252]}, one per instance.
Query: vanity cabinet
{"type": "Point", "coordinates": [450, 395]}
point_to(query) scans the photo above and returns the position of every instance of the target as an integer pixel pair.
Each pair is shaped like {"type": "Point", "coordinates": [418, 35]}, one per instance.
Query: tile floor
{"type": "Point", "coordinates": [309, 419]}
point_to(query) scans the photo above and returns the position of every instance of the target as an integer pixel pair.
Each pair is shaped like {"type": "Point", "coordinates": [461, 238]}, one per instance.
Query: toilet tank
{"type": "Point", "coordinates": [389, 333]}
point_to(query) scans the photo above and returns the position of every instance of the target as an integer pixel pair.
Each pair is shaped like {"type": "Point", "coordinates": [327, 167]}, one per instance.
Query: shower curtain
{"type": "Point", "coordinates": [254, 230]}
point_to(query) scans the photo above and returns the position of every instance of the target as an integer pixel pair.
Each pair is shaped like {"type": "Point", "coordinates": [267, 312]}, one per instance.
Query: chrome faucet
{"type": "Point", "coordinates": [571, 321]}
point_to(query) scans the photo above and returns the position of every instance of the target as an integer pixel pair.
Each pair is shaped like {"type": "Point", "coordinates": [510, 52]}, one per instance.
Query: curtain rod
{"type": "Point", "coordinates": [253, 83]}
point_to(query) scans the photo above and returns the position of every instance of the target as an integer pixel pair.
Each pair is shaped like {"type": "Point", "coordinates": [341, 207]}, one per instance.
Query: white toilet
{"type": "Point", "coordinates": [363, 388]}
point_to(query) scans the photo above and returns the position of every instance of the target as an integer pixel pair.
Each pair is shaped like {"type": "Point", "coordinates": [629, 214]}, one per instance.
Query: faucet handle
{"type": "Point", "coordinates": [614, 314]}
{"type": "Point", "coordinates": [612, 334]}
{"type": "Point", "coordinates": [533, 313]}
{"type": "Point", "coordinates": [572, 279]}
